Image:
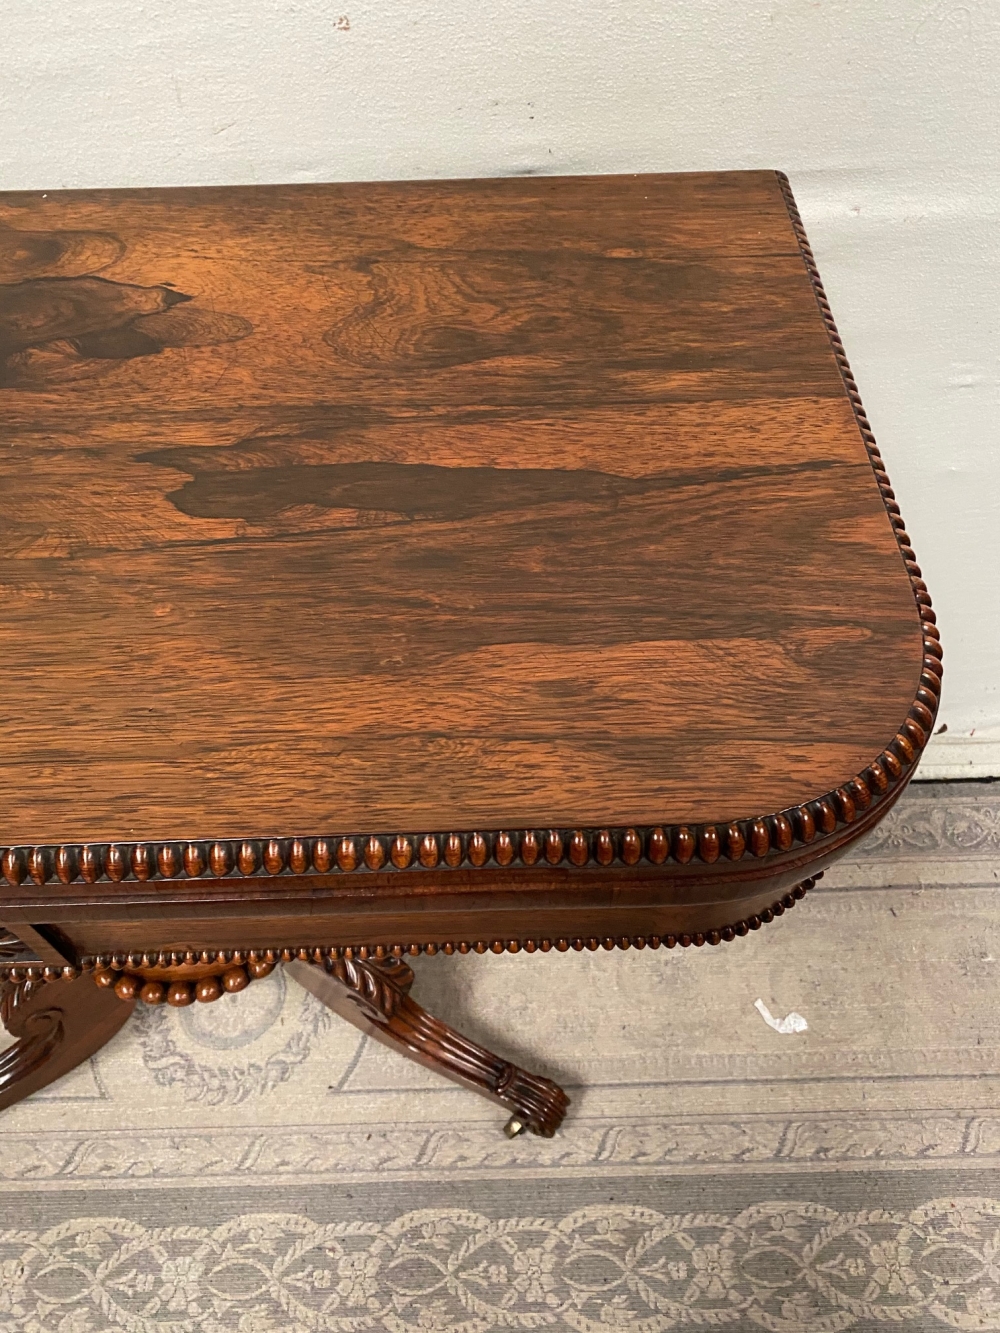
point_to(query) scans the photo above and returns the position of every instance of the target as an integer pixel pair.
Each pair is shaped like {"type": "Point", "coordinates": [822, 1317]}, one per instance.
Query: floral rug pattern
{"type": "Point", "coordinates": [781, 1266]}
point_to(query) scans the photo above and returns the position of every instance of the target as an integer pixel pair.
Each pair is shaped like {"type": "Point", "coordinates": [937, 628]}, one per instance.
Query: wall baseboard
{"type": "Point", "coordinates": [948, 757]}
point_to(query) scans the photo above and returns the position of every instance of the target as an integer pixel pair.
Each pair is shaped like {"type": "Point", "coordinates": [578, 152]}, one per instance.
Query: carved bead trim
{"type": "Point", "coordinates": [36, 972]}
{"type": "Point", "coordinates": [256, 963]}
{"type": "Point", "coordinates": [180, 992]}
{"type": "Point", "coordinates": [409, 852]}
{"type": "Point", "coordinates": [916, 729]}
{"type": "Point", "coordinates": [578, 848]}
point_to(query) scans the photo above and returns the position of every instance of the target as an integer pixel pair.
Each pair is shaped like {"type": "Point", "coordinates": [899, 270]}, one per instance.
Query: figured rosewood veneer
{"type": "Point", "coordinates": [390, 568]}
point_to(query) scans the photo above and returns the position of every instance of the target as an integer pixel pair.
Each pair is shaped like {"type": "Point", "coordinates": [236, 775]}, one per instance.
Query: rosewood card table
{"type": "Point", "coordinates": [401, 568]}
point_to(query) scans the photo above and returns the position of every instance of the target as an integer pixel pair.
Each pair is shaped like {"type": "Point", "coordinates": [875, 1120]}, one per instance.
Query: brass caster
{"type": "Point", "coordinates": [514, 1127]}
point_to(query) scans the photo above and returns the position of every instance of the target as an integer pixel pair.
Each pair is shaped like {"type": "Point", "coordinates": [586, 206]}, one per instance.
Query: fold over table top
{"type": "Point", "coordinates": [382, 509]}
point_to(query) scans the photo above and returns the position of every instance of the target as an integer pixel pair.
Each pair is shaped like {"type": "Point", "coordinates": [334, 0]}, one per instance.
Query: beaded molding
{"type": "Point", "coordinates": [259, 962]}
{"type": "Point", "coordinates": [440, 851]}
{"type": "Point", "coordinates": [920, 719]}
{"type": "Point", "coordinates": [180, 993]}
{"type": "Point", "coordinates": [373, 853]}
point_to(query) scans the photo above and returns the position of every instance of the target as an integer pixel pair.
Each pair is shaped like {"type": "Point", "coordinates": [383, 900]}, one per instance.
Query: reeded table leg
{"type": "Point", "coordinates": [373, 996]}
{"type": "Point", "coordinates": [58, 1024]}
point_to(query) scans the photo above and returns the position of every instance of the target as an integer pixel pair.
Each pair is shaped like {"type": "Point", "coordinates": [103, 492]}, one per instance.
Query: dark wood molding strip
{"type": "Point", "coordinates": [768, 835]}
{"type": "Point", "coordinates": [259, 962]}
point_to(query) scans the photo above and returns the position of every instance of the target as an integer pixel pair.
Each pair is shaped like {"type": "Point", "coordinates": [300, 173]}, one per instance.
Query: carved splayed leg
{"type": "Point", "coordinates": [58, 1024]}
{"type": "Point", "coordinates": [374, 997]}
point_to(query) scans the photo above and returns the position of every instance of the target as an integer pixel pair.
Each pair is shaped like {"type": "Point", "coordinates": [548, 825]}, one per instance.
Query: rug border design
{"type": "Point", "coordinates": [788, 1265]}
{"type": "Point", "coordinates": [285, 1154]}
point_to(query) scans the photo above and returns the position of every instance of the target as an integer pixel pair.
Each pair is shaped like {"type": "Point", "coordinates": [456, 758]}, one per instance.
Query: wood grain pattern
{"type": "Point", "coordinates": [462, 567]}
{"type": "Point", "coordinates": [535, 510]}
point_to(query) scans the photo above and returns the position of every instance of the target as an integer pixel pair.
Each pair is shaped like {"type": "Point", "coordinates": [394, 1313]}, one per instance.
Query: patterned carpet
{"type": "Point", "coordinates": [255, 1165]}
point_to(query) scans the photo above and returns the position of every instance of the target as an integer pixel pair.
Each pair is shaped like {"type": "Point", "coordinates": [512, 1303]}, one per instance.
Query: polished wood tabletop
{"type": "Point", "coordinates": [419, 507]}
{"type": "Point", "coordinates": [405, 565]}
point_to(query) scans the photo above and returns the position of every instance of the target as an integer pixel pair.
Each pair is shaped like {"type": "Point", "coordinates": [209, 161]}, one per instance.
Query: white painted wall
{"type": "Point", "coordinates": [885, 113]}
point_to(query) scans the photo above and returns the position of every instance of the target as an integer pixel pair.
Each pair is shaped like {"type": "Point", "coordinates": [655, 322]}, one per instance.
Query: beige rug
{"type": "Point", "coordinates": [255, 1165]}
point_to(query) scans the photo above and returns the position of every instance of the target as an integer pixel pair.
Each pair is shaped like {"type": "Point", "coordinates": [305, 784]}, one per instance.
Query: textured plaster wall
{"type": "Point", "coordinates": [885, 113]}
